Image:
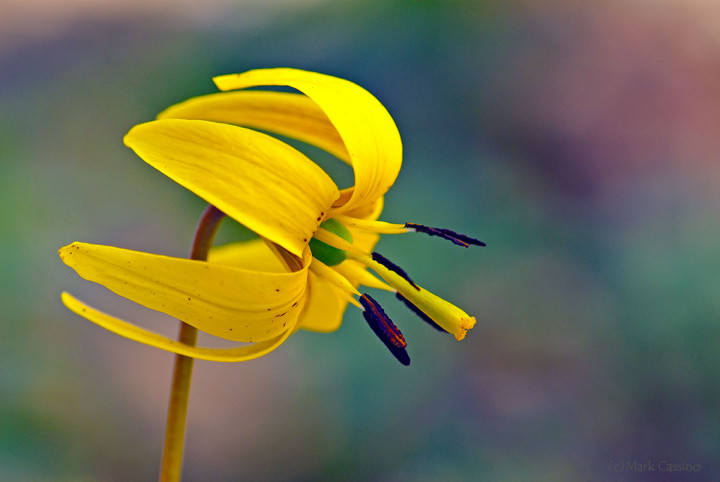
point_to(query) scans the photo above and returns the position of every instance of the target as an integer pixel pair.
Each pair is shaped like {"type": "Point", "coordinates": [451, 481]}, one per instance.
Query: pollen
{"type": "Point", "coordinates": [465, 325]}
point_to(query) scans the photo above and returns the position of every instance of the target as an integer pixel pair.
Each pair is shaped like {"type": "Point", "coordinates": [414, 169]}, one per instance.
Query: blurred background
{"type": "Point", "coordinates": [578, 139]}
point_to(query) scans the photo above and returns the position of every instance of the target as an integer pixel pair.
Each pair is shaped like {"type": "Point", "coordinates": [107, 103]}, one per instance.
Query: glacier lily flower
{"type": "Point", "coordinates": [315, 240]}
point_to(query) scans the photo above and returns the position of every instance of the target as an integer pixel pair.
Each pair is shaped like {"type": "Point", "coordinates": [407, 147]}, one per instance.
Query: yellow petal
{"type": "Point", "coordinates": [254, 178]}
{"type": "Point", "coordinates": [140, 335]}
{"type": "Point", "coordinates": [254, 255]}
{"type": "Point", "coordinates": [369, 133]}
{"type": "Point", "coordinates": [324, 308]}
{"type": "Point", "coordinates": [285, 113]}
{"type": "Point", "coordinates": [232, 303]}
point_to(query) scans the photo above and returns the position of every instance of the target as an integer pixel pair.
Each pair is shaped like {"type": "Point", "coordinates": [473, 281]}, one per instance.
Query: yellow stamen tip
{"type": "Point", "coordinates": [465, 325]}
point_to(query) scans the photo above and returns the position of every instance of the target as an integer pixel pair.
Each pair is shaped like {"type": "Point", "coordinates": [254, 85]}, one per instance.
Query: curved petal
{"type": "Point", "coordinates": [284, 113]}
{"type": "Point", "coordinates": [324, 308]}
{"type": "Point", "coordinates": [252, 177]}
{"type": "Point", "coordinates": [254, 255]}
{"type": "Point", "coordinates": [127, 330]}
{"type": "Point", "coordinates": [232, 303]}
{"type": "Point", "coordinates": [370, 211]}
{"type": "Point", "coordinates": [369, 133]}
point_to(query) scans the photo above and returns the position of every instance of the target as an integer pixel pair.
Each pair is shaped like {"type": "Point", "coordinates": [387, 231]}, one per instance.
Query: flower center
{"type": "Point", "coordinates": [330, 255]}
{"type": "Point", "coordinates": [332, 244]}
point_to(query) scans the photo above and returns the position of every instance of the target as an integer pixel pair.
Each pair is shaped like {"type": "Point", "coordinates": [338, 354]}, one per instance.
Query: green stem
{"type": "Point", "coordinates": [180, 390]}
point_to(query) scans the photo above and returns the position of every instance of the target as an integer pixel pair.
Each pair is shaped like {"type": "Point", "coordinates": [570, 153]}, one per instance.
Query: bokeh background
{"type": "Point", "coordinates": [580, 140]}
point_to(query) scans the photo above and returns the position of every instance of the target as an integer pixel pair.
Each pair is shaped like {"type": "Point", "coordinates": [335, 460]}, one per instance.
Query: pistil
{"type": "Point", "coordinates": [419, 312]}
{"type": "Point", "coordinates": [393, 267]}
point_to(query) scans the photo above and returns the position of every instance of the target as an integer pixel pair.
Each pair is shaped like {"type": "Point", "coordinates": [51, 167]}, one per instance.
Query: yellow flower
{"type": "Point", "coordinates": [315, 240]}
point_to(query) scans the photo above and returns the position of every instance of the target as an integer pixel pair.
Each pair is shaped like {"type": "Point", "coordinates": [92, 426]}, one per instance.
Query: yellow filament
{"type": "Point", "coordinates": [326, 272]}
{"type": "Point", "coordinates": [360, 275]}
{"type": "Point", "coordinates": [380, 227]}
{"type": "Point", "coordinates": [332, 239]}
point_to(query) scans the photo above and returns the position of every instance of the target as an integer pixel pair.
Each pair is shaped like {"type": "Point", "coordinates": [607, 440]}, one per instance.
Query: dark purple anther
{"type": "Point", "coordinates": [385, 329]}
{"type": "Point", "coordinates": [456, 238]}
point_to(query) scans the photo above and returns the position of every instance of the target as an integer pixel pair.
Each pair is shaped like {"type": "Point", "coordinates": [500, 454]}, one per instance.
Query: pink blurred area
{"type": "Point", "coordinates": [621, 88]}
{"type": "Point", "coordinates": [42, 20]}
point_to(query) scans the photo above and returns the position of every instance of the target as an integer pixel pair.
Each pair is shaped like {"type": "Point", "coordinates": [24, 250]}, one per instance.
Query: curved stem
{"type": "Point", "coordinates": [180, 390]}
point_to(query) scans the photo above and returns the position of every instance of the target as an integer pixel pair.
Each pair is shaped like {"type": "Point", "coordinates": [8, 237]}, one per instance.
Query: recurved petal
{"type": "Point", "coordinates": [285, 113]}
{"type": "Point", "coordinates": [254, 255]}
{"type": "Point", "coordinates": [123, 328]}
{"type": "Point", "coordinates": [324, 308]}
{"type": "Point", "coordinates": [254, 178]}
{"type": "Point", "coordinates": [232, 303]}
{"type": "Point", "coordinates": [367, 130]}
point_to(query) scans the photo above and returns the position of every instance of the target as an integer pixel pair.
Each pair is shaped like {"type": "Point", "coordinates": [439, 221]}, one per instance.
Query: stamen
{"type": "Point", "coordinates": [455, 238]}
{"type": "Point", "coordinates": [445, 314]}
{"type": "Point", "coordinates": [420, 313]}
{"type": "Point", "coordinates": [359, 275]}
{"type": "Point", "coordinates": [332, 239]}
{"type": "Point", "coordinates": [393, 267]}
{"type": "Point", "coordinates": [324, 271]}
{"type": "Point", "coordinates": [385, 329]}
{"type": "Point", "coordinates": [380, 227]}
